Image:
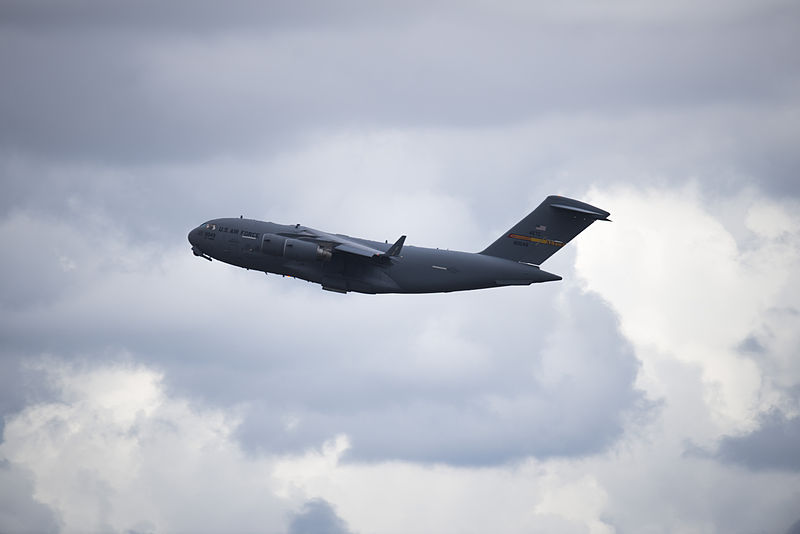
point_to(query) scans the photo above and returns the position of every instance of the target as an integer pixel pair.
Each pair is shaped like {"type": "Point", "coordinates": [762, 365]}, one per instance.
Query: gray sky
{"type": "Point", "coordinates": [656, 388]}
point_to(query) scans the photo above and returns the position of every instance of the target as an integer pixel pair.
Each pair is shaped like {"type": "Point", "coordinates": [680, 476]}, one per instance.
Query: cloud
{"type": "Point", "coordinates": [19, 510]}
{"type": "Point", "coordinates": [452, 388]}
{"type": "Point", "coordinates": [218, 344]}
{"type": "Point", "coordinates": [395, 497]}
{"type": "Point", "coordinates": [693, 277]}
{"type": "Point", "coordinates": [453, 391]}
{"type": "Point", "coordinates": [560, 408]}
{"type": "Point", "coordinates": [620, 490]}
{"type": "Point", "coordinates": [277, 75]}
{"type": "Point", "coordinates": [687, 287]}
{"type": "Point", "coordinates": [116, 453]}
{"type": "Point", "coordinates": [317, 517]}
{"type": "Point", "coordinates": [773, 445]}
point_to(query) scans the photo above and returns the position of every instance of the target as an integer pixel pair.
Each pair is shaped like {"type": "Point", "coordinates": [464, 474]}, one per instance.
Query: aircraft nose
{"type": "Point", "coordinates": [194, 236]}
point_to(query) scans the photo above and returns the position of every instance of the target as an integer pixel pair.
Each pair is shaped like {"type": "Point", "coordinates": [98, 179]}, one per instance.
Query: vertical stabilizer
{"type": "Point", "coordinates": [545, 230]}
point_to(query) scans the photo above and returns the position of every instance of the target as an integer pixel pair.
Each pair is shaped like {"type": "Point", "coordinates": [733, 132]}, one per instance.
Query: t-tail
{"type": "Point", "coordinates": [548, 228]}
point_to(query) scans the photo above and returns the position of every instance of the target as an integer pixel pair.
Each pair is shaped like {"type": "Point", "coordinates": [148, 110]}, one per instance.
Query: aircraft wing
{"type": "Point", "coordinates": [357, 249]}
{"type": "Point", "coordinates": [341, 243]}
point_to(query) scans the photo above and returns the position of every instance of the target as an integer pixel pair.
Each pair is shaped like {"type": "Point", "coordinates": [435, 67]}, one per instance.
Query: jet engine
{"type": "Point", "coordinates": [293, 249]}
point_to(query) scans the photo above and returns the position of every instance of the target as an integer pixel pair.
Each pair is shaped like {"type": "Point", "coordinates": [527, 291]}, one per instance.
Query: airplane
{"type": "Point", "coordinates": [341, 263]}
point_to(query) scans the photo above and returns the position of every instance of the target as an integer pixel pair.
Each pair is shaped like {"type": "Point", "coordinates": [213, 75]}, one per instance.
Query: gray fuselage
{"type": "Point", "coordinates": [301, 252]}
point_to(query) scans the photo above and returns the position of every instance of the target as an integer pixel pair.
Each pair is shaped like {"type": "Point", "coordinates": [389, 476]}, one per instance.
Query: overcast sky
{"type": "Point", "coordinates": [655, 389]}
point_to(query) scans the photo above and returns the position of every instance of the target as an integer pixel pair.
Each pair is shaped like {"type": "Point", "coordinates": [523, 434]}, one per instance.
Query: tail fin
{"type": "Point", "coordinates": [548, 228]}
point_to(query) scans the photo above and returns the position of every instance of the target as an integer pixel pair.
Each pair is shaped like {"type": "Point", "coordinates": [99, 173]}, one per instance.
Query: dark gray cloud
{"type": "Point", "coordinates": [199, 16]}
{"type": "Point", "coordinates": [773, 445]}
{"type": "Point", "coordinates": [108, 90]}
{"type": "Point", "coordinates": [752, 345]}
{"type": "Point", "coordinates": [317, 517]}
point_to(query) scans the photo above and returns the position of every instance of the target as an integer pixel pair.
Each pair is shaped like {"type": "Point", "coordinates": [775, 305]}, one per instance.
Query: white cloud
{"type": "Point", "coordinates": [684, 287]}
{"type": "Point", "coordinates": [644, 484]}
{"type": "Point", "coordinates": [117, 453]}
{"type": "Point", "coordinates": [398, 497]}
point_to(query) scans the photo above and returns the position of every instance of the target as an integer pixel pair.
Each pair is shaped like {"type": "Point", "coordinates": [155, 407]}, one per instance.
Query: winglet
{"type": "Point", "coordinates": [395, 249]}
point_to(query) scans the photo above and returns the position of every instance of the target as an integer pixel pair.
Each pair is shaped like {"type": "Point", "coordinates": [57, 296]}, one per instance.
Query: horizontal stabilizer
{"type": "Point", "coordinates": [599, 214]}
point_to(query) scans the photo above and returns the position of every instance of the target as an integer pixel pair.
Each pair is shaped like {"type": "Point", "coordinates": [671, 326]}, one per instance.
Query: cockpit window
{"type": "Point", "coordinates": [210, 226]}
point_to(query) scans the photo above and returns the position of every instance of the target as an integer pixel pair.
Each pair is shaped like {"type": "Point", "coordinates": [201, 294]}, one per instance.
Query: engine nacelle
{"type": "Point", "coordinates": [293, 249]}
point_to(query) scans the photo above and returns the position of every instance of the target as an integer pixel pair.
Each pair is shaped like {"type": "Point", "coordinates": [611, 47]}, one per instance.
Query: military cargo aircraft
{"type": "Point", "coordinates": [341, 263]}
